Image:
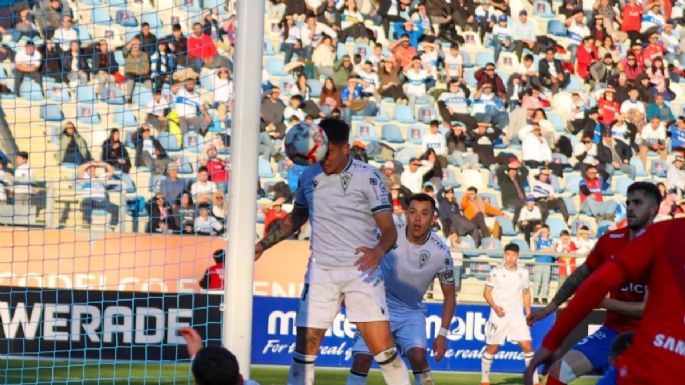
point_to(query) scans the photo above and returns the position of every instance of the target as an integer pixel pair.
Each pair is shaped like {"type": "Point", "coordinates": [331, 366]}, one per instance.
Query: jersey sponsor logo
{"type": "Point", "coordinates": [616, 236]}
{"type": "Point", "coordinates": [424, 256]}
{"type": "Point", "coordinates": [670, 343]}
{"type": "Point", "coordinates": [634, 288]}
{"type": "Point", "coordinates": [345, 178]}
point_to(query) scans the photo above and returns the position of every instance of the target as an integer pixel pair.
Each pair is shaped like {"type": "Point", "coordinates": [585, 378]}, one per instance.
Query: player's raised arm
{"type": "Point", "coordinates": [370, 257]}
{"type": "Point", "coordinates": [282, 229]}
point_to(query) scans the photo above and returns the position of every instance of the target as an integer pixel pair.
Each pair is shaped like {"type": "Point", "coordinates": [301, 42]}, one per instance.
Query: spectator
{"type": "Point", "coordinates": [456, 244]}
{"type": "Point", "coordinates": [658, 76]}
{"type": "Point", "coordinates": [552, 73]}
{"type": "Point", "coordinates": [591, 196]}
{"type": "Point", "coordinates": [454, 64]}
{"type": "Point", "coordinates": [6, 179]}
{"type": "Point", "coordinates": [65, 34]}
{"type": "Point", "coordinates": [630, 67]}
{"type": "Point", "coordinates": [205, 224]}
{"type": "Point", "coordinates": [452, 218]}
{"type": "Point", "coordinates": [501, 37]}
{"type": "Point", "coordinates": [488, 107]}
{"type": "Point", "coordinates": [542, 271]}
{"type": "Point", "coordinates": [217, 169]}
{"type": "Point", "coordinates": [330, 97]}
{"type": "Point", "coordinates": [632, 109]}
{"type": "Point", "coordinates": [162, 65]}
{"type": "Point", "coordinates": [76, 69]}
{"type": "Point", "coordinates": [567, 264]}
{"type": "Point", "coordinates": [660, 109]}
{"type": "Point", "coordinates": [614, 155]}
{"type": "Point", "coordinates": [487, 75]}
{"type": "Point", "coordinates": [137, 68]}
{"type": "Point", "coordinates": [476, 208]}
{"type": "Point", "coordinates": [484, 142]}
{"type": "Point", "coordinates": [223, 93]}
{"type": "Point", "coordinates": [148, 41]}
{"type": "Point", "coordinates": [536, 152]}
{"type": "Point", "coordinates": [291, 41]}
{"type": "Point", "coordinates": [389, 80]}
{"type": "Point", "coordinates": [435, 174]}
{"type": "Point", "coordinates": [370, 80]}
{"type": "Point", "coordinates": [529, 218]}
{"type": "Point", "coordinates": [202, 49]}
{"type": "Point", "coordinates": [607, 107]}
{"type": "Point", "coordinates": [93, 190]}
{"type": "Point", "coordinates": [390, 178]}
{"type": "Point", "coordinates": [23, 180]}
{"type": "Point", "coordinates": [27, 63]}
{"type": "Point", "coordinates": [213, 278]}
{"type": "Point", "coordinates": [354, 102]}
{"type": "Point", "coordinates": [399, 200]}
{"type": "Point", "coordinates": [323, 56]}
{"type": "Point", "coordinates": [545, 197]}
{"type": "Point", "coordinates": [73, 148]}
{"type": "Point", "coordinates": [149, 152]}
{"type": "Point", "coordinates": [458, 154]}
{"type": "Point", "coordinates": [524, 34]}
{"type": "Point", "coordinates": [172, 187]}
{"type": "Point", "coordinates": [586, 55]}
{"type": "Point", "coordinates": [529, 72]}
{"type": "Point", "coordinates": [312, 33]}
{"type": "Point", "coordinates": [178, 45]}
{"type": "Point", "coordinates": [49, 16]}
{"type": "Point", "coordinates": [608, 47]}
{"type": "Point", "coordinates": [632, 19]}
{"type": "Point", "coordinates": [403, 51]}
{"type": "Point", "coordinates": [352, 25]}
{"type": "Point", "coordinates": [294, 108]}
{"type": "Point", "coordinates": [272, 112]}
{"type": "Point", "coordinates": [219, 207]}
{"type": "Point", "coordinates": [190, 108]}
{"type": "Point", "coordinates": [116, 155]}
{"type": "Point", "coordinates": [511, 179]}
{"type": "Point", "coordinates": [677, 133]}
{"type": "Point", "coordinates": [273, 212]}
{"type": "Point", "coordinates": [343, 70]}
{"type": "Point", "coordinates": [52, 60]}
{"type": "Point", "coordinates": [412, 178]}
{"type": "Point", "coordinates": [161, 219]}
{"type": "Point", "coordinates": [583, 242]}
{"type": "Point", "coordinates": [453, 106]}
{"type": "Point", "coordinates": [604, 72]}
{"type": "Point", "coordinates": [434, 140]}
{"type": "Point", "coordinates": [184, 213]}
{"type": "Point", "coordinates": [653, 138]}
{"type": "Point", "coordinates": [104, 68]}
{"type": "Point", "coordinates": [156, 111]}
{"type": "Point", "coordinates": [675, 176]}
{"type": "Point", "coordinates": [203, 188]}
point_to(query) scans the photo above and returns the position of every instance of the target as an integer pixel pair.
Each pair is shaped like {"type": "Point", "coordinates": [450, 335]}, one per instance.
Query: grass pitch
{"type": "Point", "coordinates": [65, 372]}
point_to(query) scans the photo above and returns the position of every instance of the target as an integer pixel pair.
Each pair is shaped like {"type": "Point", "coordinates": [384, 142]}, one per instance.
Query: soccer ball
{"type": "Point", "coordinates": [306, 144]}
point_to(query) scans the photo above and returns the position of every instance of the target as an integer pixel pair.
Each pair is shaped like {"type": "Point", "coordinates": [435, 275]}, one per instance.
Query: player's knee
{"type": "Point", "coordinates": [361, 363]}
{"type": "Point", "coordinates": [417, 359]}
{"type": "Point", "coordinates": [554, 369]}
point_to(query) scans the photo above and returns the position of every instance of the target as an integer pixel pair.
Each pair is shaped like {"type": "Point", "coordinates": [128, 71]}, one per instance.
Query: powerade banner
{"type": "Point", "coordinates": [273, 337]}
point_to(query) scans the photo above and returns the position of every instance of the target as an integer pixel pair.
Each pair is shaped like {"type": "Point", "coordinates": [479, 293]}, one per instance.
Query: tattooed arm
{"type": "Point", "coordinates": [282, 229]}
{"type": "Point", "coordinates": [565, 292]}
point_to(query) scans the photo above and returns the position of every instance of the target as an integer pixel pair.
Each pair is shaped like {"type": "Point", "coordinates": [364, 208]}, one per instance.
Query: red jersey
{"type": "Point", "coordinates": [213, 278]}
{"type": "Point", "coordinates": [657, 353]}
{"type": "Point", "coordinates": [607, 110]}
{"type": "Point", "coordinates": [609, 244]}
{"type": "Point", "coordinates": [632, 18]}
{"type": "Point", "coordinates": [217, 170]}
{"type": "Point", "coordinates": [201, 47]}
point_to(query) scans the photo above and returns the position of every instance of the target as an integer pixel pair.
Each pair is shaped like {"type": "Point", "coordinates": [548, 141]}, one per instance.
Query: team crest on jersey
{"type": "Point", "coordinates": [423, 257]}
{"type": "Point", "coordinates": [345, 179]}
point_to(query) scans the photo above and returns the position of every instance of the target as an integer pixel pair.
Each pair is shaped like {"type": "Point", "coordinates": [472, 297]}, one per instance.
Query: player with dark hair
{"type": "Point", "coordinates": [350, 214]}
{"type": "Point", "coordinates": [624, 305]}
{"type": "Point", "coordinates": [408, 270]}
{"type": "Point", "coordinates": [656, 356]}
{"type": "Point", "coordinates": [507, 291]}
{"type": "Point", "coordinates": [214, 275]}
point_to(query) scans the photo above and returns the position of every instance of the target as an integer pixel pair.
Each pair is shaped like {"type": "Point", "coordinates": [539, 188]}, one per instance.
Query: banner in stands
{"type": "Point", "coordinates": [273, 336]}
{"type": "Point", "coordinates": [63, 259]}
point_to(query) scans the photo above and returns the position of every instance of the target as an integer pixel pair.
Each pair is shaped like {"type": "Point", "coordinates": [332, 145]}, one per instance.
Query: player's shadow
{"type": "Point", "coordinates": [511, 381]}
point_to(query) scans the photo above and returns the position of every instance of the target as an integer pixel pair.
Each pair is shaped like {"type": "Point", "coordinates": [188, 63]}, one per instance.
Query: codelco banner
{"type": "Point", "coordinates": [137, 326]}
{"type": "Point", "coordinates": [63, 259]}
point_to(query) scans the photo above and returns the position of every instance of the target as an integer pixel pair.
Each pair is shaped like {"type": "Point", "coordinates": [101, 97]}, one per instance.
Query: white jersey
{"type": "Point", "coordinates": [341, 208]}
{"type": "Point", "coordinates": [507, 288]}
{"type": "Point", "coordinates": [408, 269]}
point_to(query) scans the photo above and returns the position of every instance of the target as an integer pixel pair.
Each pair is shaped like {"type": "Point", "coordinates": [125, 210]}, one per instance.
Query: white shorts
{"type": "Point", "coordinates": [325, 289]}
{"type": "Point", "coordinates": [498, 329]}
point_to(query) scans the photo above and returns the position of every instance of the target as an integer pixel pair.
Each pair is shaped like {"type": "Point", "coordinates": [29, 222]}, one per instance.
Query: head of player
{"type": "Point", "coordinates": [642, 205]}
{"type": "Point", "coordinates": [420, 217]}
{"type": "Point", "coordinates": [215, 365]}
{"type": "Point", "coordinates": [338, 133]}
{"type": "Point", "coordinates": [511, 256]}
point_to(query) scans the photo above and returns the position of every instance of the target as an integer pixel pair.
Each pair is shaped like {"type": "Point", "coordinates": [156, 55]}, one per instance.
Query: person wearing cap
{"type": "Point", "coordinates": [631, 19]}
{"type": "Point", "coordinates": [390, 177]}
{"type": "Point", "coordinates": [661, 109]}
{"type": "Point", "coordinates": [524, 34]}
{"type": "Point", "coordinates": [213, 278]}
{"type": "Point", "coordinates": [604, 72]}
{"type": "Point", "coordinates": [172, 186]}
{"type": "Point", "coordinates": [614, 155]}
{"type": "Point", "coordinates": [529, 217]}
{"type": "Point", "coordinates": [511, 179]}
{"type": "Point", "coordinates": [27, 63]}
{"type": "Point", "coordinates": [501, 36]}
{"type": "Point", "coordinates": [551, 71]}
{"type": "Point", "coordinates": [412, 177]}
{"type": "Point", "coordinates": [675, 176]}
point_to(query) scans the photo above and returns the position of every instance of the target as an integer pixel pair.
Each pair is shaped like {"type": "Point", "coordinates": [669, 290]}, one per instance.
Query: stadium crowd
{"type": "Point", "coordinates": [526, 121]}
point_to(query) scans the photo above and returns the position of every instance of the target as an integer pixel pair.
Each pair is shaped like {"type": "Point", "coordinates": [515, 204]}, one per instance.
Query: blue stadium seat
{"type": "Point", "coordinates": [543, 9]}
{"type": "Point", "coordinates": [125, 118]}
{"type": "Point", "coordinates": [622, 184]}
{"type": "Point", "coordinates": [523, 246]}
{"type": "Point", "coordinates": [184, 165]}
{"type": "Point", "coordinates": [659, 167]}
{"type": "Point", "coordinates": [507, 226]}
{"type": "Point", "coordinates": [470, 77]}
{"type": "Point", "coordinates": [265, 170]}
{"type": "Point", "coordinates": [556, 28]}
{"type": "Point", "coordinates": [466, 59]}
{"type": "Point", "coordinates": [191, 6]}
{"type": "Point", "coordinates": [193, 142]}
{"type": "Point", "coordinates": [574, 84]}
{"type": "Point", "coordinates": [490, 198]}
{"type": "Point", "coordinates": [483, 58]}
{"type": "Point", "coordinates": [315, 86]}
{"type": "Point", "coordinates": [86, 113]}
{"type": "Point", "coordinates": [415, 134]}
{"type": "Point", "coordinates": [141, 95]}
{"type": "Point", "coordinates": [492, 246]}
{"type": "Point", "coordinates": [101, 16]}
{"type": "Point", "coordinates": [168, 142]}
{"type": "Point", "coordinates": [639, 166]}
{"type": "Point", "coordinates": [268, 48]}
{"type": "Point", "coordinates": [364, 50]}
{"type": "Point", "coordinates": [30, 90]}
{"type": "Point", "coordinates": [391, 133]}
{"type": "Point", "coordinates": [85, 94]}
{"type": "Point", "coordinates": [403, 114]}
{"type": "Point", "coordinates": [382, 116]}
{"type": "Point", "coordinates": [556, 225]}
{"type": "Point", "coordinates": [287, 86]}
{"type": "Point", "coordinates": [119, 58]}
{"type": "Point", "coordinates": [577, 223]}
{"type": "Point", "coordinates": [58, 92]}
{"type": "Point", "coordinates": [275, 67]}
{"type": "Point", "coordinates": [557, 121]}
{"type": "Point", "coordinates": [83, 33]}
{"type": "Point", "coordinates": [117, 3]}
{"type": "Point", "coordinates": [449, 177]}
{"type": "Point", "coordinates": [570, 206]}
{"type": "Point", "coordinates": [153, 19]}
{"type": "Point", "coordinates": [155, 183]}
{"type": "Point", "coordinates": [113, 95]}
{"type": "Point", "coordinates": [426, 114]}
{"type": "Point", "coordinates": [126, 18]}
{"type": "Point", "coordinates": [572, 183]}
{"type": "Point", "coordinates": [51, 113]}
{"type": "Point", "coordinates": [340, 51]}
{"type": "Point", "coordinates": [364, 130]}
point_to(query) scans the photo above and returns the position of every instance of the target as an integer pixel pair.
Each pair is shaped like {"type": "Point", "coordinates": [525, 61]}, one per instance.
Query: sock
{"type": "Point", "coordinates": [527, 357]}
{"type": "Point", "coordinates": [485, 365]}
{"type": "Point", "coordinates": [393, 368]}
{"type": "Point", "coordinates": [301, 370]}
{"type": "Point", "coordinates": [553, 381]}
{"type": "Point", "coordinates": [424, 377]}
{"type": "Point", "coordinates": [356, 378]}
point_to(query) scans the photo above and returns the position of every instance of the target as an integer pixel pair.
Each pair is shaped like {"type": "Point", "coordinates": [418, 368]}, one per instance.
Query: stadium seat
{"type": "Point", "coordinates": [363, 50]}
{"type": "Point", "coordinates": [85, 94]}
{"type": "Point", "coordinates": [168, 142]}
{"type": "Point", "coordinates": [101, 16]}
{"type": "Point", "coordinates": [184, 165]}
{"type": "Point", "coordinates": [51, 113]}
{"type": "Point", "coordinates": [572, 183]}
{"type": "Point", "coordinates": [466, 59]}
{"type": "Point", "coordinates": [543, 9]}
{"type": "Point", "coordinates": [639, 167]}
{"type": "Point", "coordinates": [659, 167]}
{"type": "Point", "coordinates": [58, 92]}
{"type": "Point", "coordinates": [577, 223]}
{"type": "Point", "coordinates": [193, 142]}
{"type": "Point", "coordinates": [470, 77]}
{"type": "Point", "coordinates": [574, 84]}
{"type": "Point", "coordinates": [557, 121]}
{"type": "Point", "coordinates": [415, 134]}
{"type": "Point", "coordinates": [570, 206]}
{"type": "Point", "coordinates": [119, 58]}
{"type": "Point", "coordinates": [492, 246]}
{"type": "Point", "coordinates": [483, 58]}
{"type": "Point", "coordinates": [156, 182]}
{"type": "Point", "coordinates": [30, 90]}
{"type": "Point", "coordinates": [315, 87]}
{"type": "Point", "coordinates": [265, 170]}
{"type": "Point", "coordinates": [275, 67]}
{"type": "Point", "coordinates": [268, 48]}
{"type": "Point", "coordinates": [117, 3]}
{"type": "Point", "coordinates": [191, 6]}
{"type": "Point", "coordinates": [391, 133]}
{"type": "Point", "coordinates": [113, 95]}
{"type": "Point", "coordinates": [125, 117]}
{"type": "Point", "coordinates": [506, 226]}
{"type": "Point", "coordinates": [141, 95]}
{"type": "Point", "coordinates": [426, 113]}
{"type": "Point", "coordinates": [126, 18]}
{"type": "Point", "coordinates": [403, 114]}
{"type": "Point", "coordinates": [287, 86]}
{"type": "Point", "coordinates": [87, 113]}
{"type": "Point", "coordinates": [153, 19]}
{"type": "Point", "coordinates": [622, 184]}
{"type": "Point", "coordinates": [556, 28]}
{"type": "Point", "coordinates": [83, 34]}
{"type": "Point", "coordinates": [364, 130]}
{"type": "Point", "coordinates": [555, 224]}
{"type": "Point", "coordinates": [523, 246]}
{"type": "Point", "coordinates": [471, 39]}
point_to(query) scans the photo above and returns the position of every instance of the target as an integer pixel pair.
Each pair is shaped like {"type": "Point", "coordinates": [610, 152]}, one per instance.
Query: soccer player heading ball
{"type": "Point", "coordinates": [624, 305]}
{"type": "Point", "coordinates": [352, 228]}
{"type": "Point", "coordinates": [408, 270]}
